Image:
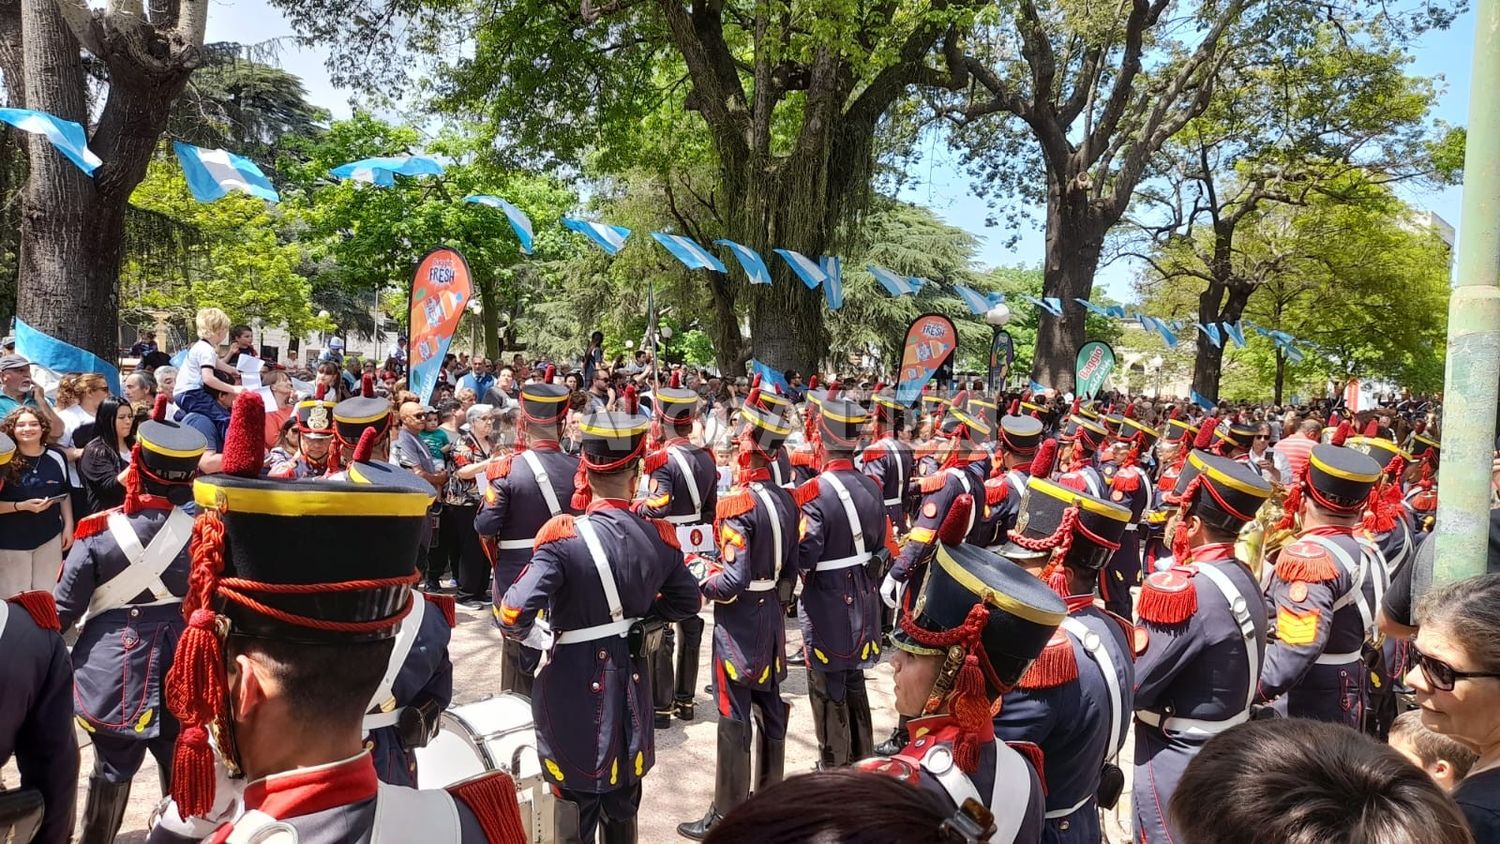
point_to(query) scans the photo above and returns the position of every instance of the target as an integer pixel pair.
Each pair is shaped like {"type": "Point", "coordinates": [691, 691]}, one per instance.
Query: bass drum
{"type": "Point", "coordinates": [495, 734]}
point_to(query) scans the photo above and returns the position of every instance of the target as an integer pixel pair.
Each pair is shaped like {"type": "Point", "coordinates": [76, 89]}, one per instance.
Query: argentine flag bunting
{"type": "Point", "coordinates": [687, 250]}
{"type": "Point", "coordinates": [978, 303]}
{"type": "Point", "coordinates": [1201, 401]}
{"type": "Point", "coordinates": [1232, 331]}
{"type": "Point", "coordinates": [382, 172]}
{"type": "Point", "coordinates": [1092, 308]}
{"type": "Point", "coordinates": [1116, 311]}
{"type": "Point", "coordinates": [609, 238]}
{"type": "Point", "coordinates": [770, 377]}
{"type": "Point", "coordinates": [213, 173]}
{"type": "Point", "coordinates": [519, 222]}
{"type": "Point", "coordinates": [1037, 387]}
{"type": "Point", "coordinates": [894, 284]}
{"type": "Point", "coordinates": [65, 135]}
{"type": "Point", "coordinates": [1211, 331]}
{"type": "Point", "coordinates": [750, 260]}
{"type": "Point", "coordinates": [806, 268]}
{"type": "Point", "coordinates": [833, 288]}
{"type": "Point", "coordinates": [44, 350]}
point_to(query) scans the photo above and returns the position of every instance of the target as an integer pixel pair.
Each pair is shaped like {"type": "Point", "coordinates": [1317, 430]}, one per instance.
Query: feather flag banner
{"type": "Point", "coordinates": [894, 284]}
{"type": "Point", "coordinates": [65, 135]}
{"type": "Point", "coordinates": [1211, 331]}
{"type": "Point", "coordinates": [609, 238]}
{"type": "Point", "coordinates": [519, 222]}
{"type": "Point", "coordinates": [1232, 331]}
{"type": "Point", "coordinates": [382, 171]}
{"type": "Point", "coordinates": [833, 287]}
{"type": "Point", "coordinates": [213, 173]}
{"type": "Point", "coordinates": [750, 260]}
{"type": "Point", "coordinates": [931, 340]}
{"type": "Point", "coordinates": [806, 268]}
{"type": "Point", "coordinates": [689, 252]}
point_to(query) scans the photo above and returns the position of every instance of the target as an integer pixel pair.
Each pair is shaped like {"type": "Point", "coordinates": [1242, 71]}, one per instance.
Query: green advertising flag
{"type": "Point", "coordinates": [1096, 360]}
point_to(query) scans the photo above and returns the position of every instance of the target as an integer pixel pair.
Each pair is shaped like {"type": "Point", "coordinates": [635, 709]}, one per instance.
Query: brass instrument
{"type": "Point", "coordinates": [1260, 540]}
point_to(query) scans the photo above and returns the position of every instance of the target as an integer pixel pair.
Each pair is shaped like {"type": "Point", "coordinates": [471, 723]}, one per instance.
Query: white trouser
{"type": "Point", "coordinates": [23, 571]}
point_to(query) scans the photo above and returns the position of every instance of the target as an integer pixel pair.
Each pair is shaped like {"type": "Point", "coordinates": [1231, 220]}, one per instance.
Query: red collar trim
{"type": "Point", "coordinates": [1212, 552]}
{"type": "Point", "coordinates": [1079, 602]}
{"type": "Point", "coordinates": [307, 790]}
{"type": "Point", "coordinates": [1330, 530]}
{"type": "Point", "coordinates": [929, 729]}
{"type": "Point", "coordinates": [839, 466]}
{"type": "Point", "coordinates": [678, 441]}
{"type": "Point", "coordinates": [763, 474]}
{"type": "Point", "coordinates": [152, 502]}
{"type": "Point", "coordinates": [543, 445]}
{"type": "Point", "coordinates": [608, 504]}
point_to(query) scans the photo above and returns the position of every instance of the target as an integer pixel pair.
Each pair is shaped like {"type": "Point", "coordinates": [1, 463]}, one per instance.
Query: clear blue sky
{"type": "Point", "coordinates": [937, 182]}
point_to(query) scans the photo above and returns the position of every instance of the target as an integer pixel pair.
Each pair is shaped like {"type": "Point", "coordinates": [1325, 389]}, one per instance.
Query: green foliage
{"type": "Point", "coordinates": [245, 106]}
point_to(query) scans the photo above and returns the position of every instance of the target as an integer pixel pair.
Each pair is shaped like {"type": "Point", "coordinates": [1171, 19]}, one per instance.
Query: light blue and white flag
{"type": "Point", "coordinates": [44, 350]}
{"type": "Point", "coordinates": [750, 260]}
{"type": "Point", "coordinates": [1093, 308]}
{"type": "Point", "coordinates": [1233, 331]}
{"type": "Point", "coordinates": [519, 222]}
{"type": "Point", "coordinates": [833, 287]}
{"type": "Point", "coordinates": [771, 379]}
{"type": "Point", "coordinates": [609, 238]}
{"type": "Point", "coordinates": [212, 173]}
{"type": "Point", "coordinates": [1151, 323]}
{"type": "Point", "coordinates": [1050, 304]}
{"type": "Point", "coordinates": [1211, 331]}
{"type": "Point", "coordinates": [689, 252]}
{"type": "Point", "coordinates": [382, 171]}
{"type": "Point", "coordinates": [978, 303]}
{"type": "Point", "coordinates": [1116, 311]}
{"type": "Point", "coordinates": [65, 135]}
{"type": "Point", "coordinates": [1200, 400]}
{"type": "Point", "coordinates": [894, 284]}
{"type": "Point", "coordinates": [1292, 353]}
{"type": "Point", "coordinates": [1037, 387]}
{"type": "Point", "coordinates": [806, 268]}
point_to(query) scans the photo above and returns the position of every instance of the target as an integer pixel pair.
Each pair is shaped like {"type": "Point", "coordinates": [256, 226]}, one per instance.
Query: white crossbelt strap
{"type": "Point", "coordinates": [257, 827]}
{"type": "Point", "coordinates": [769, 500]}
{"type": "Point", "coordinates": [895, 452]}
{"type": "Point", "coordinates": [1017, 482]}
{"type": "Point", "coordinates": [1010, 771]}
{"type": "Point", "coordinates": [861, 556]}
{"type": "Point", "coordinates": [1357, 574]}
{"type": "Point", "coordinates": [405, 814]}
{"type": "Point", "coordinates": [1339, 659]}
{"type": "Point", "coordinates": [406, 636]}
{"type": "Point", "coordinates": [1240, 608]}
{"type": "Point", "coordinates": [544, 483]}
{"type": "Point", "coordinates": [685, 466]}
{"type": "Point", "coordinates": [143, 573]}
{"type": "Point", "coordinates": [601, 565]}
{"type": "Point", "coordinates": [1094, 646]}
{"type": "Point", "coordinates": [1093, 484]}
{"type": "Point", "coordinates": [1191, 726]}
{"type": "Point", "coordinates": [963, 478]}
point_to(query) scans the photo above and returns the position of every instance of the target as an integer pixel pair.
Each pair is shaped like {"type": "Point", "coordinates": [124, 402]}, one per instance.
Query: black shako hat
{"type": "Point", "coordinates": [353, 415]}
{"type": "Point", "coordinates": [766, 426]}
{"type": "Point", "coordinates": [1023, 612]}
{"type": "Point", "coordinates": [1094, 534]}
{"type": "Point", "coordinates": [1340, 478]}
{"type": "Point", "coordinates": [1020, 434]}
{"type": "Point", "coordinates": [612, 436]}
{"type": "Point", "coordinates": [1078, 427]}
{"type": "Point", "coordinates": [7, 449]}
{"type": "Point", "coordinates": [1380, 449]}
{"type": "Point", "coordinates": [169, 451]}
{"type": "Point", "coordinates": [1222, 491]}
{"type": "Point", "coordinates": [841, 422]}
{"type": "Point", "coordinates": [315, 418]}
{"type": "Point", "coordinates": [1179, 430]}
{"type": "Point", "coordinates": [1237, 435]}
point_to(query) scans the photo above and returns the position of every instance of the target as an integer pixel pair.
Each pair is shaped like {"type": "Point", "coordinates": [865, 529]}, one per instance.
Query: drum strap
{"type": "Point", "coordinates": [895, 453]}
{"type": "Point", "coordinates": [406, 636]}
{"type": "Point", "coordinates": [685, 466]}
{"type": "Point", "coordinates": [145, 564]}
{"type": "Point", "coordinates": [543, 482]}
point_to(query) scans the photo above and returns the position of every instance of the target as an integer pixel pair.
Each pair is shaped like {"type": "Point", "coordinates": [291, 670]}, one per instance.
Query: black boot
{"type": "Point", "coordinates": [104, 810]}
{"type": "Point", "coordinates": [897, 741]}
{"type": "Point", "coordinates": [798, 657]}
{"type": "Point", "coordinates": [830, 723]}
{"type": "Point", "coordinates": [565, 816]}
{"type": "Point", "coordinates": [688, 647]}
{"type": "Point", "coordinates": [731, 778]}
{"type": "Point", "coordinates": [516, 669]}
{"type": "Point", "coordinates": [617, 832]}
{"type": "Point", "coordinates": [659, 664]}
{"type": "Point", "coordinates": [861, 730]}
{"type": "Point", "coordinates": [770, 760]}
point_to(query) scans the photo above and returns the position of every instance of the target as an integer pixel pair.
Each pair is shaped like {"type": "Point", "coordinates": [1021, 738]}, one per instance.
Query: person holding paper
{"type": "Point", "coordinates": [242, 345]}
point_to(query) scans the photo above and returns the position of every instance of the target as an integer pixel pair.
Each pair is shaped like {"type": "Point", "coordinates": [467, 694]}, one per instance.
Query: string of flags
{"type": "Point", "coordinates": [212, 174]}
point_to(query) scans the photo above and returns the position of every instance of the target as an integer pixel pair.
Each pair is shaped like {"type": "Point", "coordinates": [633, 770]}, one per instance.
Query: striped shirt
{"type": "Point", "coordinates": [1294, 450]}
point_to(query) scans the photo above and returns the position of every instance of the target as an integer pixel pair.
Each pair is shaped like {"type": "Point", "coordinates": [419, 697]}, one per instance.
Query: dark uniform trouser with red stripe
{"type": "Point", "coordinates": [739, 706]}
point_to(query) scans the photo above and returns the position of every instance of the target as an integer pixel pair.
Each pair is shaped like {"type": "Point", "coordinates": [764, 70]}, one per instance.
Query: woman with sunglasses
{"type": "Point", "coordinates": [1456, 676]}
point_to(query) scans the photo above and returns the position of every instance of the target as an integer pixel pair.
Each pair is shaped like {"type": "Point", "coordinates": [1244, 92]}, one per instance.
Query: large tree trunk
{"type": "Point", "coordinates": [72, 230]}
{"type": "Point", "coordinates": [730, 350]}
{"type": "Point", "coordinates": [1074, 243]}
{"type": "Point", "coordinates": [1218, 303]}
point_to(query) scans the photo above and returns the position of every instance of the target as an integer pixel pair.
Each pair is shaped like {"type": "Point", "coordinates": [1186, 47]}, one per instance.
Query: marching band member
{"type": "Point", "coordinates": [608, 580]}
{"type": "Point", "coordinates": [525, 490]}
{"type": "Point", "coordinates": [125, 577]}
{"type": "Point", "coordinates": [1130, 487]}
{"type": "Point", "coordinates": [1196, 618]}
{"type": "Point", "coordinates": [316, 455]}
{"type": "Point", "coordinates": [889, 461]}
{"type": "Point", "coordinates": [756, 528]}
{"type": "Point", "coordinates": [283, 653]}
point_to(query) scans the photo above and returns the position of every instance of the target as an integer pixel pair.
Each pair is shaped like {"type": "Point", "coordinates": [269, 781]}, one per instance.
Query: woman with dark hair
{"type": "Point", "coordinates": [36, 511]}
{"type": "Point", "coordinates": [105, 458]}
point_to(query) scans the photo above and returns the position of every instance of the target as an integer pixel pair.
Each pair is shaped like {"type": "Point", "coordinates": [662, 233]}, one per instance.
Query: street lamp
{"type": "Point", "coordinates": [997, 317]}
{"type": "Point", "coordinates": [1155, 365]}
{"type": "Point", "coordinates": [476, 309]}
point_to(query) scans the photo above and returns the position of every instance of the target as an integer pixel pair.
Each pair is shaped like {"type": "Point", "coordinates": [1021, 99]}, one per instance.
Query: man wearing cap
{"type": "Point", "coordinates": [956, 476]}
{"type": "Point", "coordinates": [608, 580]}
{"type": "Point", "coordinates": [978, 625]}
{"type": "Point", "coordinates": [1202, 636]}
{"type": "Point", "coordinates": [1327, 587]}
{"type": "Point", "coordinates": [36, 715]}
{"type": "Point", "coordinates": [1171, 456]}
{"type": "Point", "coordinates": [283, 653]}
{"type": "Point", "coordinates": [315, 457]}
{"type": "Point", "coordinates": [1421, 494]}
{"type": "Point", "coordinates": [1081, 438]}
{"type": "Point", "coordinates": [1019, 439]}
{"type": "Point", "coordinates": [756, 528]}
{"type": "Point", "coordinates": [525, 490]}
{"type": "Point", "coordinates": [1075, 701]}
{"type": "Point", "coordinates": [126, 575]}
{"type": "Point", "coordinates": [844, 530]}
{"type": "Point", "coordinates": [682, 489]}
{"type": "Point", "coordinates": [1130, 487]}
{"type": "Point", "coordinates": [18, 390]}
{"type": "Point", "coordinates": [889, 461]}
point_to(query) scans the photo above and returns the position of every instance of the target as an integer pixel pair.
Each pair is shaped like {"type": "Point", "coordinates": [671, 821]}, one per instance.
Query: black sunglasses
{"type": "Point", "coordinates": [1440, 674]}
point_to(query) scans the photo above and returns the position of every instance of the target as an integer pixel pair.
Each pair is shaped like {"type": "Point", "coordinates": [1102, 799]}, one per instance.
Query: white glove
{"type": "Point", "coordinates": [540, 635]}
{"type": "Point", "coordinates": [888, 589]}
